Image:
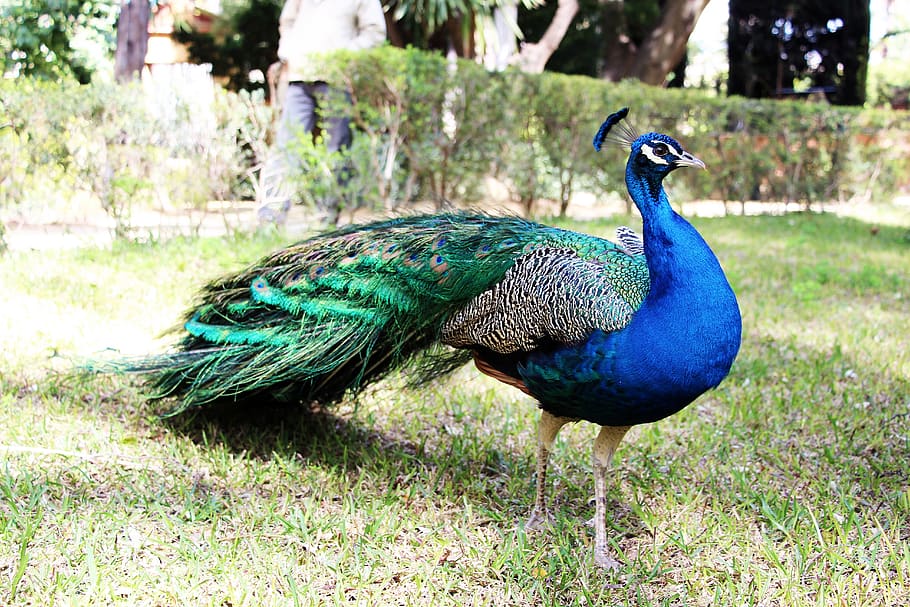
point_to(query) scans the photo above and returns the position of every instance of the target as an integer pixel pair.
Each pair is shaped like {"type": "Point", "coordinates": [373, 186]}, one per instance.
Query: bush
{"type": "Point", "coordinates": [429, 129]}
{"type": "Point", "coordinates": [173, 142]}
{"type": "Point", "coordinates": [448, 126]}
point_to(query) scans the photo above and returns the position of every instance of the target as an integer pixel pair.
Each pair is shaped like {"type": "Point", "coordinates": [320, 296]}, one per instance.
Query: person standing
{"type": "Point", "coordinates": [308, 28]}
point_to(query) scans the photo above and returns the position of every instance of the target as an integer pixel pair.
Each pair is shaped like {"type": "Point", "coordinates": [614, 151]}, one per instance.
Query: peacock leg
{"type": "Point", "coordinates": [605, 445]}
{"type": "Point", "coordinates": [547, 429]}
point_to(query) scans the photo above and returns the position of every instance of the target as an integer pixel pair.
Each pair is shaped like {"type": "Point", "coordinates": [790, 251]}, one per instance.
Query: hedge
{"type": "Point", "coordinates": [534, 131]}
{"type": "Point", "coordinates": [432, 129]}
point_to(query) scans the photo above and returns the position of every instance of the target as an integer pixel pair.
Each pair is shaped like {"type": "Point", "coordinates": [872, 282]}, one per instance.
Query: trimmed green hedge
{"type": "Point", "coordinates": [430, 129]}
{"type": "Point", "coordinates": [126, 146]}
{"type": "Point", "coordinates": [534, 132]}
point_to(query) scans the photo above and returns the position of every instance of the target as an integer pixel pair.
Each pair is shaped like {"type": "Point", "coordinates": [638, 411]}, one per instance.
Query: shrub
{"type": "Point", "coordinates": [171, 143]}
{"type": "Point", "coordinates": [447, 126]}
{"type": "Point", "coordinates": [428, 129]}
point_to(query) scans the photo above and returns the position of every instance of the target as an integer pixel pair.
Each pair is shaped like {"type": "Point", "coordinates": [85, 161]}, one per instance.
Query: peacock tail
{"type": "Point", "coordinates": [331, 313]}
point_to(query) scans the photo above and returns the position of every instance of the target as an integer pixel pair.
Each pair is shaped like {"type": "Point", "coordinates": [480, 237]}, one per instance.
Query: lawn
{"type": "Point", "coordinates": [788, 485]}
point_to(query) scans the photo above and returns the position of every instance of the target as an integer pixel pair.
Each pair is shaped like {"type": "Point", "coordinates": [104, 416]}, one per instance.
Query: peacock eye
{"type": "Point", "coordinates": [661, 149]}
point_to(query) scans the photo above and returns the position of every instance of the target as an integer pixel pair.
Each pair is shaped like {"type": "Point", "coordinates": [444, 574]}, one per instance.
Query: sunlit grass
{"type": "Point", "coordinates": [789, 485]}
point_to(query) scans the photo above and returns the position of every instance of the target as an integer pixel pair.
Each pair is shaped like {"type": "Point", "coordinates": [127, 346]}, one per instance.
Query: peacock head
{"type": "Point", "coordinates": [652, 154]}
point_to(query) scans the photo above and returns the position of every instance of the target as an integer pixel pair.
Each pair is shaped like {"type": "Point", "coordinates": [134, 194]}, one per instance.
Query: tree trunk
{"type": "Point", "coordinates": [534, 55]}
{"type": "Point", "coordinates": [393, 31]}
{"type": "Point", "coordinates": [665, 45]}
{"type": "Point", "coordinates": [856, 54]}
{"type": "Point", "coordinates": [132, 39]}
{"type": "Point", "coordinates": [620, 53]}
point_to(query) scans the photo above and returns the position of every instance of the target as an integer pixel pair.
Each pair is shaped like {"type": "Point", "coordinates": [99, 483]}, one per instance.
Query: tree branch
{"type": "Point", "coordinates": [534, 56]}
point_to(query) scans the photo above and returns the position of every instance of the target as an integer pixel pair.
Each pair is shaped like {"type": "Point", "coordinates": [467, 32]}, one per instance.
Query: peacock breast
{"type": "Point", "coordinates": [647, 371]}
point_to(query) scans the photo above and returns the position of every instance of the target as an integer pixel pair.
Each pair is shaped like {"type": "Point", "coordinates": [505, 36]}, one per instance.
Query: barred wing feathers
{"type": "Point", "coordinates": [550, 295]}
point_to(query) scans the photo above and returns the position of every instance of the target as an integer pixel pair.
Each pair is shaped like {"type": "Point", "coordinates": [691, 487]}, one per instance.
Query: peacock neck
{"type": "Point", "coordinates": [684, 338]}
{"type": "Point", "coordinates": [680, 263]}
{"type": "Point", "coordinates": [687, 283]}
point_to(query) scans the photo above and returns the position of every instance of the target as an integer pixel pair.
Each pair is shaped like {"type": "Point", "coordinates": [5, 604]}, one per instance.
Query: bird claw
{"type": "Point", "coordinates": [603, 560]}
{"type": "Point", "coordinates": [538, 520]}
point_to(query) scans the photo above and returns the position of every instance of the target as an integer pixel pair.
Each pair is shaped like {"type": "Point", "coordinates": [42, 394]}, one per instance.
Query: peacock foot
{"type": "Point", "coordinates": [538, 520]}
{"type": "Point", "coordinates": [603, 560]}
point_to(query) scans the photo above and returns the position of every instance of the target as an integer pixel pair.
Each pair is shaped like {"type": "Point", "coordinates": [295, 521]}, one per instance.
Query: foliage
{"type": "Point", "coordinates": [443, 121]}
{"type": "Point", "coordinates": [55, 38]}
{"type": "Point", "coordinates": [823, 43]}
{"type": "Point", "coordinates": [462, 130]}
{"type": "Point", "coordinates": [566, 138]}
{"type": "Point", "coordinates": [431, 129]}
{"type": "Point", "coordinates": [244, 38]}
{"type": "Point", "coordinates": [889, 83]}
{"type": "Point", "coordinates": [596, 27]}
{"type": "Point", "coordinates": [786, 486]}
{"type": "Point", "coordinates": [889, 74]}
{"type": "Point", "coordinates": [419, 22]}
{"type": "Point", "coordinates": [164, 144]}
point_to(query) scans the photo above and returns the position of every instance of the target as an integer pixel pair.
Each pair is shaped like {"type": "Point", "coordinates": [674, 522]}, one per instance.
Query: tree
{"type": "Point", "coordinates": [451, 25]}
{"type": "Point", "coordinates": [535, 55]}
{"type": "Point", "coordinates": [132, 39]}
{"type": "Point", "coordinates": [618, 39]}
{"type": "Point", "coordinates": [53, 39]}
{"type": "Point", "coordinates": [446, 24]}
{"type": "Point", "coordinates": [243, 38]}
{"type": "Point", "coordinates": [782, 48]}
{"type": "Point", "coordinates": [664, 47]}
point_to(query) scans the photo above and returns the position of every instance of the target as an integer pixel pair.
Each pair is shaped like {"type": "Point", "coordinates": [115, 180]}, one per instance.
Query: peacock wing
{"type": "Point", "coordinates": [550, 295]}
{"type": "Point", "coordinates": [630, 240]}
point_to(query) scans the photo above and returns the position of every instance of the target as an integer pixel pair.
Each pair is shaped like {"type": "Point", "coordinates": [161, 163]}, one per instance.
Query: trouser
{"type": "Point", "coordinates": [301, 113]}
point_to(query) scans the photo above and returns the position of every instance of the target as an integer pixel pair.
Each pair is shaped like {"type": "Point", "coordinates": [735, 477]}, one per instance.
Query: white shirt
{"type": "Point", "coordinates": [309, 27]}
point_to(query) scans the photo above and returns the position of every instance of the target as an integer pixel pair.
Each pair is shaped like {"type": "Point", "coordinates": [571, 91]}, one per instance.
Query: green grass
{"type": "Point", "coordinates": [789, 485]}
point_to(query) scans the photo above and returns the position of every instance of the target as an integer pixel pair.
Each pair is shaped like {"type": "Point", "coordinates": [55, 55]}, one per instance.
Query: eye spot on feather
{"type": "Point", "coordinates": [372, 249]}
{"type": "Point", "coordinates": [443, 277]}
{"type": "Point", "coordinates": [440, 242]}
{"type": "Point", "coordinates": [294, 279]}
{"type": "Point", "coordinates": [438, 264]}
{"type": "Point", "coordinates": [413, 260]}
{"type": "Point", "coordinates": [316, 272]}
{"type": "Point", "coordinates": [506, 244]}
{"type": "Point", "coordinates": [391, 252]}
{"type": "Point", "coordinates": [483, 251]}
{"type": "Point", "coordinates": [260, 289]}
{"type": "Point", "coordinates": [531, 246]}
{"type": "Point", "coordinates": [350, 258]}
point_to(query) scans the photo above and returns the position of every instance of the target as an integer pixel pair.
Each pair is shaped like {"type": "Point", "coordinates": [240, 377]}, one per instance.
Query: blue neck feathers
{"type": "Point", "coordinates": [684, 338]}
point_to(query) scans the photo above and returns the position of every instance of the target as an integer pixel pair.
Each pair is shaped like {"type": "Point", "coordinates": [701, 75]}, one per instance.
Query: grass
{"type": "Point", "coordinates": [789, 485]}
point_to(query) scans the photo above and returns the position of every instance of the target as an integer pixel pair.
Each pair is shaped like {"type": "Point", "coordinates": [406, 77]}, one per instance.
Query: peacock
{"type": "Point", "coordinates": [613, 333]}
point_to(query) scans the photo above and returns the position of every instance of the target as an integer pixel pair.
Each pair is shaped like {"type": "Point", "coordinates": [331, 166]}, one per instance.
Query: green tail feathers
{"type": "Point", "coordinates": [327, 315]}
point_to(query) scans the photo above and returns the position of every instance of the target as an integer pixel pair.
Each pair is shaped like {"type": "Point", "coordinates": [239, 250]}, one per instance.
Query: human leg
{"type": "Point", "coordinates": [297, 116]}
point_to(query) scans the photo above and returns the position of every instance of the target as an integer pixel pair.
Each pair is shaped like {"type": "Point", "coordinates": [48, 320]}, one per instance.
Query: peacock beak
{"type": "Point", "coordinates": [688, 160]}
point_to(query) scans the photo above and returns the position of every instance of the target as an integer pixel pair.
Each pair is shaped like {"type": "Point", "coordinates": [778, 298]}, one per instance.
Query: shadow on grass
{"type": "Point", "coordinates": [265, 428]}
{"type": "Point", "coordinates": [335, 437]}
{"type": "Point", "coordinates": [468, 466]}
